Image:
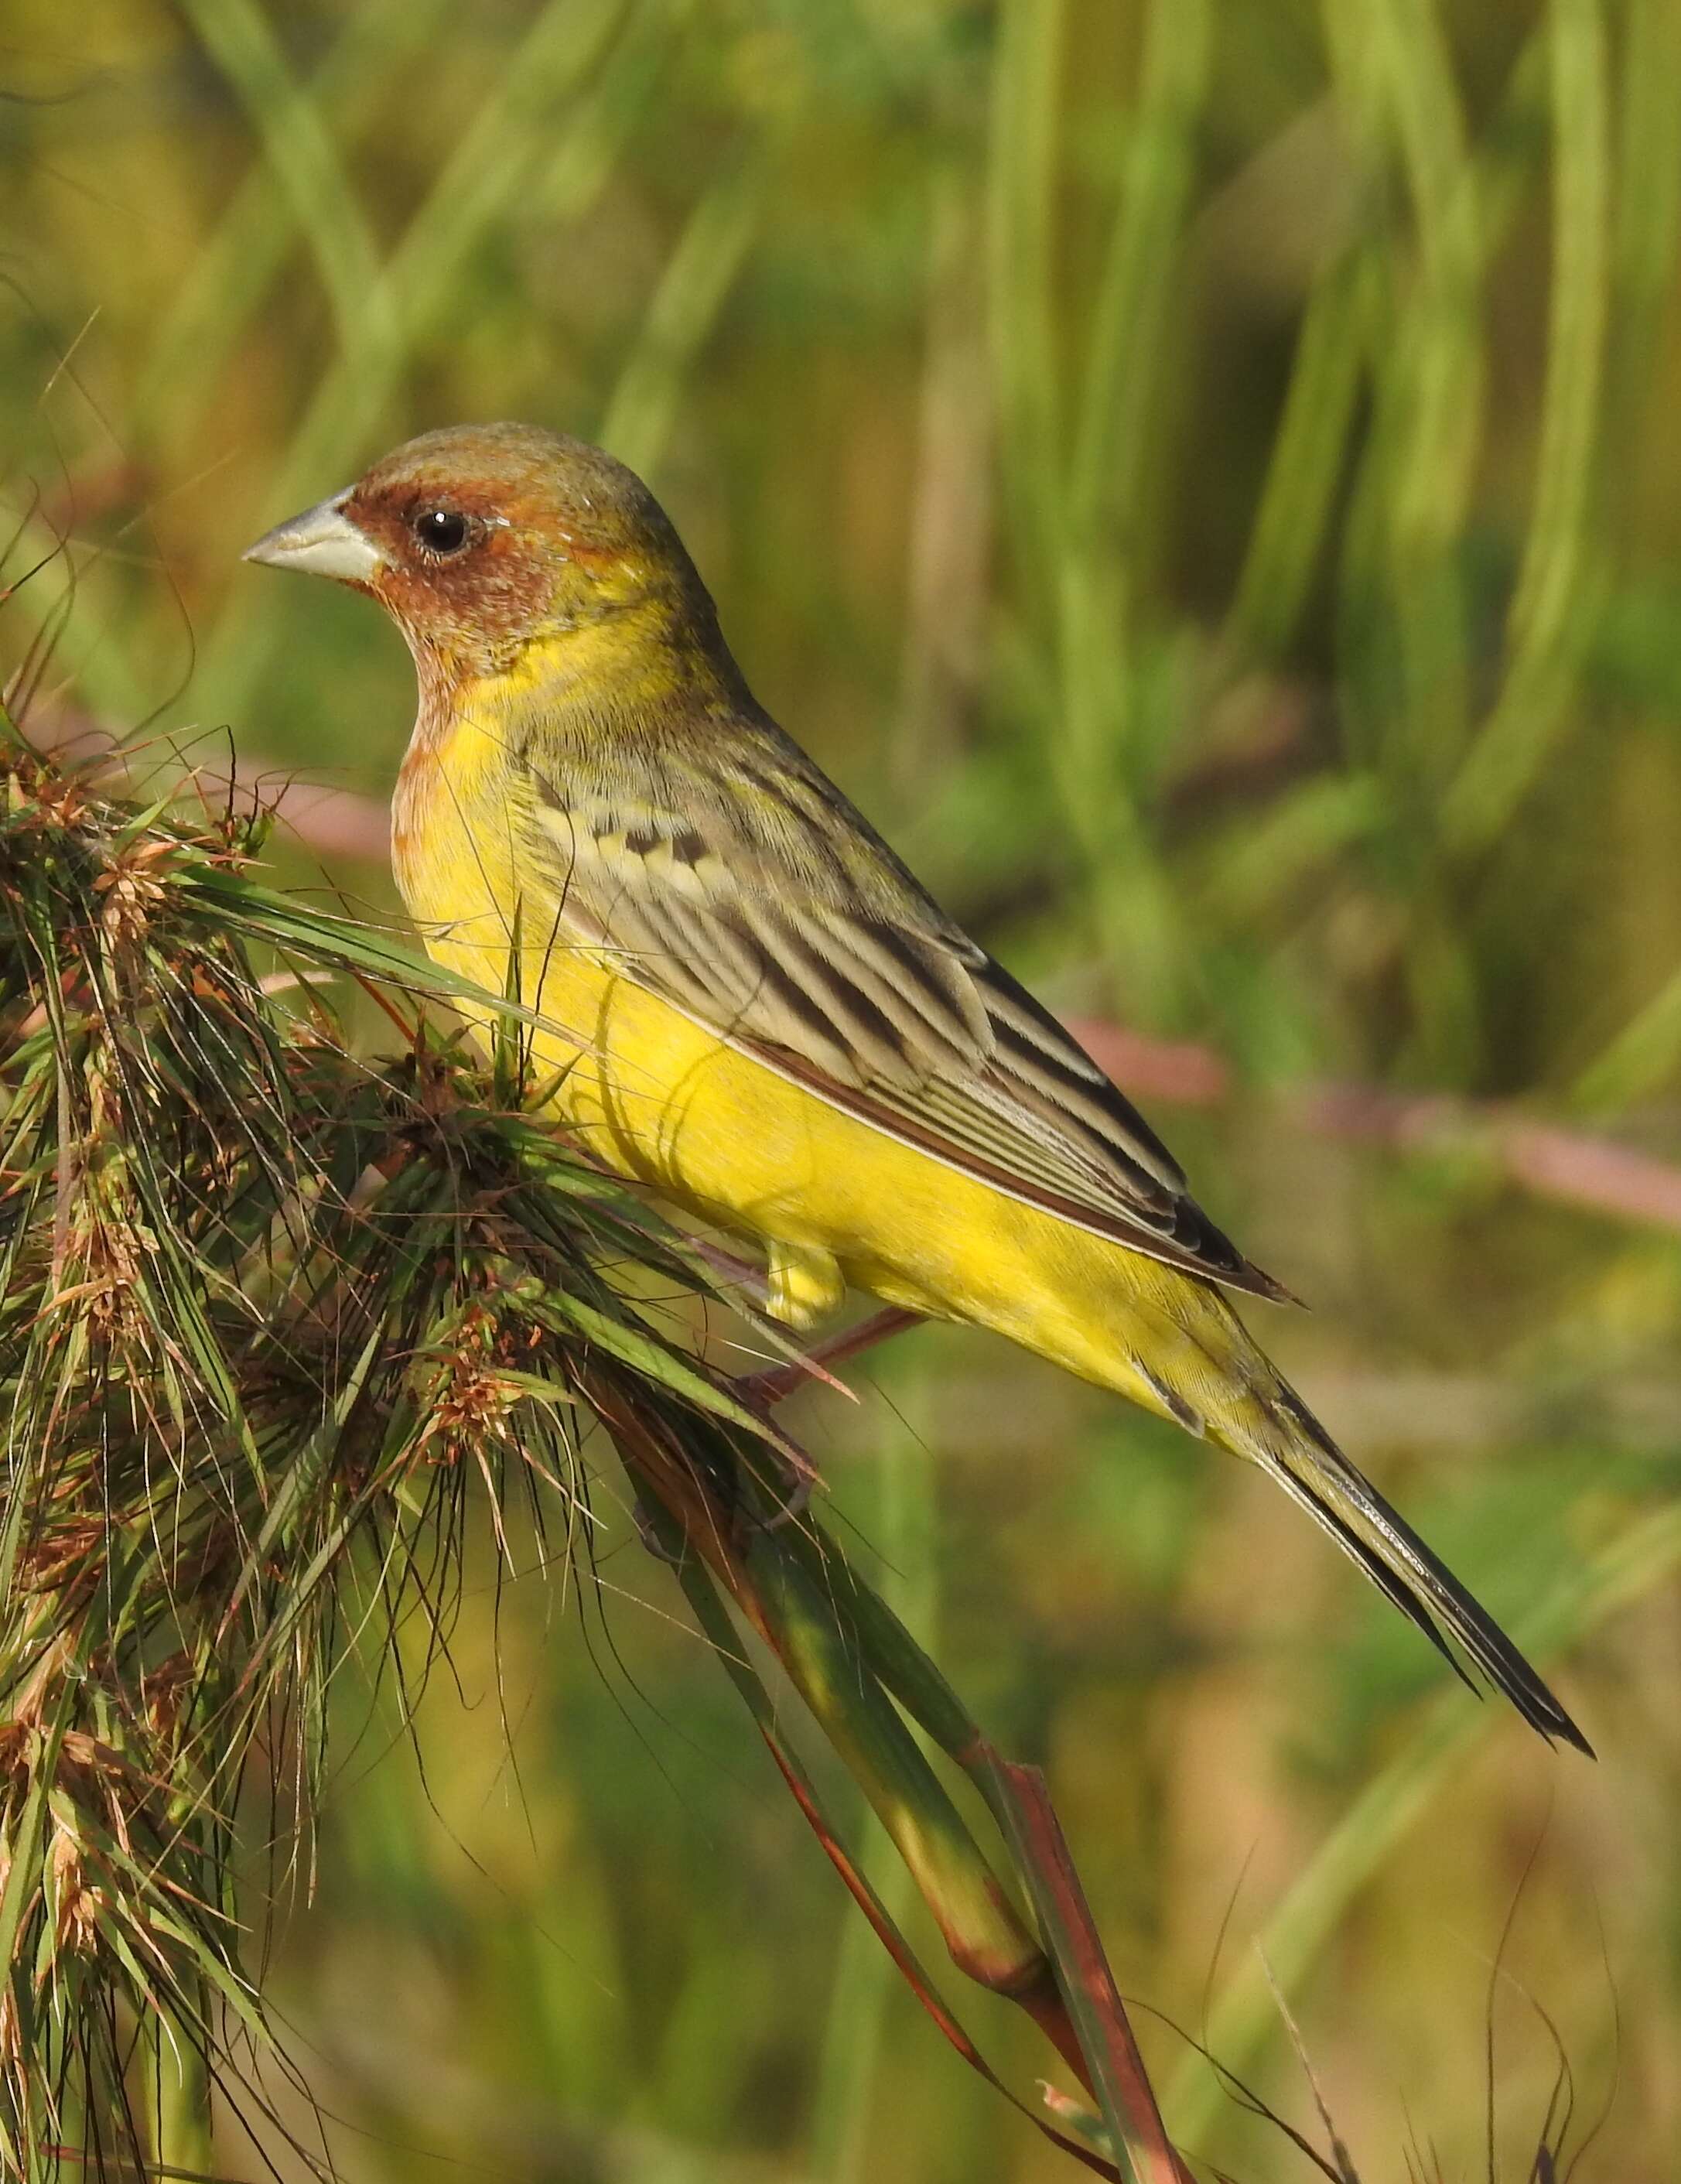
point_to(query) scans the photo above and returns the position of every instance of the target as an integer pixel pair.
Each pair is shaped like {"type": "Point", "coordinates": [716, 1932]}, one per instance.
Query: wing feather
{"type": "Point", "coordinates": [779, 919]}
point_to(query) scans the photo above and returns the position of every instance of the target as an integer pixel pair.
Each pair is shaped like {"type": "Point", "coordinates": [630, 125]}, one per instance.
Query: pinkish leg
{"type": "Point", "coordinates": [770, 1386]}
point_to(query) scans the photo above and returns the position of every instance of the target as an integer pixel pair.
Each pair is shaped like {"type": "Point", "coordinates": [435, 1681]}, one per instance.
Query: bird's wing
{"type": "Point", "coordinates": [777, 918]}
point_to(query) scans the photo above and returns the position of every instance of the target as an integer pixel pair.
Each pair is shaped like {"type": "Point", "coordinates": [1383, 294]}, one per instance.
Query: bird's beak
{"type": "Point", "coordinates": [322, 542]}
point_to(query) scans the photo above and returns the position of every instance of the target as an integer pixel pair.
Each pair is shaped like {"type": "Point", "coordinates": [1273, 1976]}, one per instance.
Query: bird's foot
{"type": "Point", "coordinates": [802, 1480]}
{"type": "Point", "coordinates": [648, 1533]}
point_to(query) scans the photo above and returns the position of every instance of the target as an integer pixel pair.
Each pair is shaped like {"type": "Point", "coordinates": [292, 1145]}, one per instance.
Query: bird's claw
{"type": "Point", "coordinates": [647, 1533]}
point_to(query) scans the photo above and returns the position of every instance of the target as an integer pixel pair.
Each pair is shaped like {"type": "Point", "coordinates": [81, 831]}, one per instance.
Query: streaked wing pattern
{"type": "Point", "coordinates": [1040, 1122]}
{"type": "Point", "coordinates": [760, 931]}
{"type": "Point", "coordinates": [753, 951]}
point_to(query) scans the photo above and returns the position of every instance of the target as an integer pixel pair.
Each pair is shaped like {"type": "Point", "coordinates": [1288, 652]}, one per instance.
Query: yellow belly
{"type": "Point", "coordinates": [657, 1098]}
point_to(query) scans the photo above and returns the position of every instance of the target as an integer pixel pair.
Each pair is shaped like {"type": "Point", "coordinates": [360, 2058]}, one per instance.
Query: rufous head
{"type": "Point", "coordinates": [479, 538]}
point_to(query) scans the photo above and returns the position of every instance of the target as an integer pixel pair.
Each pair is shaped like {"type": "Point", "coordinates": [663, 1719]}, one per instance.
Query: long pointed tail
{"type": "Point", "coordinates": [1221, 1383]}
{"type": "Point", "coordinates": [1314, 1471]}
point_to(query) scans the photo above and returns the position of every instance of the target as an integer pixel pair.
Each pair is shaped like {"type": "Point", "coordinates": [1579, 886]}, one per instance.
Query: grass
{"type": "Point", "coordinates": [1275, 406]}
{"type": "Point", "coordinates": [275, 1318]}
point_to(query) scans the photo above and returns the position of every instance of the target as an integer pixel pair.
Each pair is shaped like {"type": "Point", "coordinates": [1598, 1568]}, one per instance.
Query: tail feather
{"type": "Point", "coordinates": [1176, 1346]}
{"type": "Point", "coordinates": [1314, 1471]}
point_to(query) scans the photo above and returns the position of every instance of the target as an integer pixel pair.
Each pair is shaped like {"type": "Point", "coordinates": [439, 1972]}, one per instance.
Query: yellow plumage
{"type": "Point", "coordinates": [753, 1008]}
{"type": "Point", "coordinates": [653, 1094]}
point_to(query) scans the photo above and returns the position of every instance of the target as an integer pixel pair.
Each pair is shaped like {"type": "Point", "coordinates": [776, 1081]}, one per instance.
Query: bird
{"type": "Point", "coordinates": [750, 1003]}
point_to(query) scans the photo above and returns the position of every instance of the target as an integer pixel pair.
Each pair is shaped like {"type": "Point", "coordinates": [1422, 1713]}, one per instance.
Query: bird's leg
{"type": "Point", "coordinates": [733, 1272]}
{"type": "Point", "coordinates": [798, 1288]}
{"type": "Point", "coordinates": [649, 1534]}
{"type": "Point", "coordinates": [770, 1386]}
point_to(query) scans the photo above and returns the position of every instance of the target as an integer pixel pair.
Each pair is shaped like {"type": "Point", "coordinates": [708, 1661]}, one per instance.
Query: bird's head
{"type": "Point", "coordinates": [480, 539]}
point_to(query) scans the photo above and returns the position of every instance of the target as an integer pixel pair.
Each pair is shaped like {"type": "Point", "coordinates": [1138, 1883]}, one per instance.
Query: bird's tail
{"type": "Point", "coordinates": [1311, 1468]}
{"type": "Point", "coordinates": [1248, 1407]}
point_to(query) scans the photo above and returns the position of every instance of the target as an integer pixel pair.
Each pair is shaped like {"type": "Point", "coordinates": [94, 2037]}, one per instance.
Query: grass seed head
{"type": "Point", "coordinates": [76, 1905]}
{"type": "Point", "coordinates": [270, 1308]}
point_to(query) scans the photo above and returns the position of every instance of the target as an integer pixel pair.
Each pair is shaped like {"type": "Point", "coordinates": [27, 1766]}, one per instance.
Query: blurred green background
{"type": "Point", "coordinates": [1206, 478]}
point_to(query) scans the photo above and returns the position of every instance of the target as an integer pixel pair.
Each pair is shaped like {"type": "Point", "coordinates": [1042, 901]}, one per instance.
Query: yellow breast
{"type": "Point", "coordinates": [664, 1100]}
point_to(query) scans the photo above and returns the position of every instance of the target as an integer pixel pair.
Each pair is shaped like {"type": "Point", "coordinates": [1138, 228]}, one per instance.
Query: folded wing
{"type": "Point", "coordinates": [779, 919]}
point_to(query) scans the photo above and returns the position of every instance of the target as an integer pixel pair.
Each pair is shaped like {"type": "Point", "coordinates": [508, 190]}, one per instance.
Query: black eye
{"type": "Point", "coordinates": [442, 530]}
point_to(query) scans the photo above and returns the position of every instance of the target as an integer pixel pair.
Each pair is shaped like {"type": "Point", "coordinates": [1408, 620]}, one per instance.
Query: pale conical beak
{"type": "Point", "coordinates": [322, 542]}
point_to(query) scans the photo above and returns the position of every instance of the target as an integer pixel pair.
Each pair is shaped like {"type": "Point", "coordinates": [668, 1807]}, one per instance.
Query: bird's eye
{"type": "Point", "coordinates": [441, 530]}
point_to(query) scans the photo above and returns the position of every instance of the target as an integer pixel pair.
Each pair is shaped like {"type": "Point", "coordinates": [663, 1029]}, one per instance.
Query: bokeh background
{"type": "Point", "coordinates": [1206, 476]}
